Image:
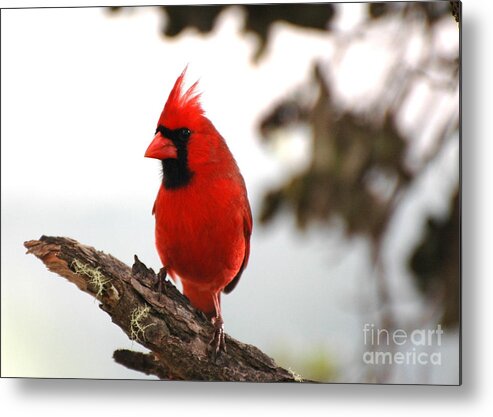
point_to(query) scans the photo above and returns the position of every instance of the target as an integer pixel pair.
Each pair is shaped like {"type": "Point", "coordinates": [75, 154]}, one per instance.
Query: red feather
{"type": "Point", "coordinates": [181, 106]}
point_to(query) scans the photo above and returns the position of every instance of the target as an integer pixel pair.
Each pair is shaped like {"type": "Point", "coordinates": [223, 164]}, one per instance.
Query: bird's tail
{"type": "Point", "coordinates": [200, 299]}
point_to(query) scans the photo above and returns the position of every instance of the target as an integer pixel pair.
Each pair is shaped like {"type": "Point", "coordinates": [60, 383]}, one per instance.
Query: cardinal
{"type": "Point", "coordinates": [202, 213]}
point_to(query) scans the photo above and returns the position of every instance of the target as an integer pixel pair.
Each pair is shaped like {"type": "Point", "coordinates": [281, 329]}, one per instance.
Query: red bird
{"type": "Point", "coordinates": [203, 218]}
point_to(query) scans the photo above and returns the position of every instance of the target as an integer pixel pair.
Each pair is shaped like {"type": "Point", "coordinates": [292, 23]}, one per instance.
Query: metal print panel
{"type": "Point", "coordinates": [263, 193]}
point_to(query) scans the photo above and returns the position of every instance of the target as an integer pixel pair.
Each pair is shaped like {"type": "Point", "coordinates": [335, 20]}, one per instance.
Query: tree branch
{"type": "Point", "coordinates": [164, 322]}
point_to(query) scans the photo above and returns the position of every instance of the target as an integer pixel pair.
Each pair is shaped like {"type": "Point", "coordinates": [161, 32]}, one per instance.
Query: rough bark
{"type": "Point", "coordinates": [163, 321]}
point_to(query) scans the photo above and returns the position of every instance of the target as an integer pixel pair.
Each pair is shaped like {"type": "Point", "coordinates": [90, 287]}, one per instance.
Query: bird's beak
{"type": "Point", "coordinates": [161, 148]}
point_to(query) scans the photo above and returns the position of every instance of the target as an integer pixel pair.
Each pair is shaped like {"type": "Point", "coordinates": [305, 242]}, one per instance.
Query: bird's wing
{"type": "Point", "coordinates": [247, 230]}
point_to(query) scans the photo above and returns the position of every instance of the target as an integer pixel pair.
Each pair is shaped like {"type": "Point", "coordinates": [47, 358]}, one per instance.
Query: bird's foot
{"type": "Point", "coordinates": [217, 345]}
{"type": "Point", "coordinates": [161, 278]}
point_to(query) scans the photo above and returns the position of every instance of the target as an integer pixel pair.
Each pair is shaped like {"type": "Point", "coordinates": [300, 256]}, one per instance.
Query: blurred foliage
{"type": "Point", "coordinates": [432, 11]}
{"type": "Point", "coordinates": [435, 262]}
{"type": "Point", "coordinates": [358, 170]}
{"type": "Point", "coordinates": [258, 18]}
{"type": "Point", "coordinates": [348, 152]}
{"type": "Point", "coordinates": [315, 363]}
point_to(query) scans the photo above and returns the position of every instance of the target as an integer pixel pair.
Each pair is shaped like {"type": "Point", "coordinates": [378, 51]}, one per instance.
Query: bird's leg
{"type": "Point", "coordinates": [218, 342]}
{"type": "Point", "coordinates": [161, 277]}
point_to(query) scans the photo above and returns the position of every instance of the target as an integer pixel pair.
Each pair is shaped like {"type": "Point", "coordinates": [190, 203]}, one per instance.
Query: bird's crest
{"type": "Point", "coordinates": [181, 106]}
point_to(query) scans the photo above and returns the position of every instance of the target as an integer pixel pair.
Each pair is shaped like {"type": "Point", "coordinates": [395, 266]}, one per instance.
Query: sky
{"type": "Point", "coordinates": [81, 94]}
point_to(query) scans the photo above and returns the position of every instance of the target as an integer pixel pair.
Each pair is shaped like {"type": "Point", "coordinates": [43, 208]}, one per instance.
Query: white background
{"type": "Point", "coordinates": [21, 397]}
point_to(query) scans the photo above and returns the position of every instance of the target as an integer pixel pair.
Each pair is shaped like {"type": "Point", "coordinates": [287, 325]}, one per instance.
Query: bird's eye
{"type": "Point", "coordinates": [184, 133]}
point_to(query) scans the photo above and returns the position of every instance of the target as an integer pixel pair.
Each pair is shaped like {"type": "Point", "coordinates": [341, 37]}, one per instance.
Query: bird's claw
{"type": "Point", "coordinates": [217, 345]}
